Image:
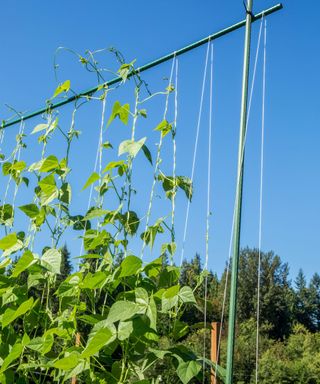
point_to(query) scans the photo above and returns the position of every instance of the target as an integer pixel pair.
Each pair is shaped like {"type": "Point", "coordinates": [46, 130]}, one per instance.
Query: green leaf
{"type": "Point", "coordinates": [164, 127]}
{"type": "Point", "coordinates": [93, 213]}
{"type": "Point", "coordinates": [31, 210]}
{"type": "Point", "coordinates": [25, 261]}
{"type": "Point", "coordinates": [98, 341]}
{"type": "Point", "coordinates": [147, 153]}
{"type": "Point", "coordinates": [186, 185]}
{"type": "Point", "coordinates": [5, 263]}
{"type": "Point", "coordinates": [143, 113]}
{"type": "Point", "coordinates": [94, 281]}
{"type": "Point", "coordinates": [170, 298]}
{"type": "Point", "coordinates": [49, 164]}
{"type": "Point", "coordinates": [120, 165]}
{"type": "Point", "coordinates": [63, 87]}
{"type": "Point", "coordinates": [49, 189]}
{"type": "Point", "coordinates": [78, 223]}
{"type": "Point", "coordinates": [180, 329]}
{"type": "Point", "coordinates": [121, 111]}
{"type": "Point", "coordinates": [39, 127]}
{"type": "Point", "coordinates": [130, 266]}
{"type": "Point", "coordinates": [18, 166]}
{"type": "Point", "coordinates": [107, 145]}
{"type": "Point", "coordinates": [188, 370]}
{"type": "Point", "coordinates": [170, 247]}
{"type": "Point", "coordinates": [10, 314]}
{"type": "Point", "coordinates": [131, 147]}
{"type": "Point", "coordinates": [67, 362]}
{"type": "Point", "coordinates": [65, 193]}
{"type": "Point", "coordinates": [170, 184]}
{"type": "Point", "coordinates": [94, 239]}
{"type": "Point", "coordinates": [102, 334]}
{"type": "Point", "coordinates": [186, 295]}
{"type": "Point", "coordinates": [142, 297]}
{"type": "Point", "coordinates": [125, 329]}
{"type": "Point", "coordinates": [125, 69]}
{"type": "Point", "coordinates": [8, 241]}
{"type": "Point", "coordinates": [41, 344]}
{"type": "Point", "coordinates": [150, 234]}
{"type": "Point", "coordinates": [92, 179]}
{"type": "Point", "coordinates": [14, 354]}
{"type": "Point", "coordinates": [6, 214]}
{"type": "Point", "coordinates": [51, 260]}
{"type": "Point", "coordinates": [122, 310]}
{"type": "Point", "coordinates": [130, 221]}
{"type": "Point", "coordinates": [152, 313]}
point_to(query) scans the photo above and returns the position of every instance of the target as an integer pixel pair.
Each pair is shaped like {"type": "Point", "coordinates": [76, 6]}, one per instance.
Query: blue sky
{"type": "Point", "coordinates": [31, 32]}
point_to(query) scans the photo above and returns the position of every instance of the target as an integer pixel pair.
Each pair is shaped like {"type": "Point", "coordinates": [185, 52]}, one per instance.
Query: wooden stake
{"type": "Point", "coordinates": [74, 379]}
{"type": "Point", "coordinates": [215, 332]}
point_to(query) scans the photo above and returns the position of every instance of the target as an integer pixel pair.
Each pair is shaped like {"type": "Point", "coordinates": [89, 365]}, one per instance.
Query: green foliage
{"type": "Point", "coordinates": [294, 362]}
{"type": "Point", "coordinates": [103, 322]}
{"type": "Point", "coordinates": [117, 319]}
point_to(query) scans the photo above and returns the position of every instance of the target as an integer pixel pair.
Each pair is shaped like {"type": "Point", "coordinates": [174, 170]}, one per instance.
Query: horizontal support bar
{"type": "Point", "coordinates": [154, 63]}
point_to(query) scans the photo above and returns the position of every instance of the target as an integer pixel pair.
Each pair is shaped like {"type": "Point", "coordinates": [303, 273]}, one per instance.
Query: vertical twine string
{"type": "Point", "coordinates": [174, 149]}
{"type": "Point", "coordinates": [208, 211]}
{"type": "Point", "coordinates": [1, 138]}
{"type": "Point", "coordinates": [195, 149]}
{"type": "Point", "coordinates": [16, 156]}
{"type": "Point", "coordinates": [158, 161]}
{"type": "Point", "coordinates": [261, 193]}
{"type": "Point", "coordinates": [128, 181]}
{"type": "Point", "coordinates": [58, 216]}
{"type": "Point", "coordinates": [16, 187]}
{"type": "Point", "coordinates": [32, 229]}
{"type": "Point", "coordinates": [98, 160]}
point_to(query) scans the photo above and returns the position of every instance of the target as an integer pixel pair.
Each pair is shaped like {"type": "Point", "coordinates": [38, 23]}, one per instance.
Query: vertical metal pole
{"type": "Point", "coordinates": [238, 205]}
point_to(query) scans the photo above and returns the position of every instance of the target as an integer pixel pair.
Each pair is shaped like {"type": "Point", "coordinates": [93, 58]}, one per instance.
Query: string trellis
{"type": "Point", "coordinates": [123, 212]}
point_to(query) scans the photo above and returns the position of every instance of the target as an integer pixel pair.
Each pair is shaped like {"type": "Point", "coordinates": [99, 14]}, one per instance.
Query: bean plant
{"type": "Point", "coordinates": [100, 324]}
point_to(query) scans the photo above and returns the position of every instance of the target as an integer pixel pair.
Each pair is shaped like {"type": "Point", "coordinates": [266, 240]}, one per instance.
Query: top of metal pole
{"type": "Point", "coordinates": [91, 91]}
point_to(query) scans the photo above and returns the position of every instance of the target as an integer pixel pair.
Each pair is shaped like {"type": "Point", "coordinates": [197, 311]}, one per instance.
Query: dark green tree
{"type": "Point", "coordinates": [192, 274]}
{"type": "Point", "coordinates": [276, 295]}
{"type": "Point", "coordinates": [304, 303]}
{"type": "Point", "coordinates": [66, 267]}
{"type": "Point", "coordinates": [315, 297]}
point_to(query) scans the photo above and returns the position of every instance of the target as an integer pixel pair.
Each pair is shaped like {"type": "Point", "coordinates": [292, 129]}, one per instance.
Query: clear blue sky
{"type": "Point", "coordinates": [31, 31]}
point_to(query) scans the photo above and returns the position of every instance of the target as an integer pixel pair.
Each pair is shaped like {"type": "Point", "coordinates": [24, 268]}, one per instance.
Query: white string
{"type": "Point", "coordinates": [158, 160]}
{"type": "Point", "coordinates": [32, 229]}
{"type": "Point", "coordinates": [174, 149]}
{"type": "Point", "coordinates": [208, 210]}
{"type": "Point", "coordinates": [233, 217]}
{"type": "Point", "coordinates": [97, 159]}
{"type": "Point", "coordinates": [225, 292]}
{"type": "Point", "coordinates": [195, 153]}
{"type": "Point", "coordinates": [1, 137]}
{"type": "Point", "coordinates": [100, 144]}
{"type": "Point", "coordinates": [16, 153]}
{"type": "Point", "coordinates": [16, 184]}
{"type": "Point", "coordinates": [261, 191]}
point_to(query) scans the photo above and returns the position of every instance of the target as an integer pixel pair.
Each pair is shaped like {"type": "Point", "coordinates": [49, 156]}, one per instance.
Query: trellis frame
{"type": "Point", "coordinates": [247, 22]}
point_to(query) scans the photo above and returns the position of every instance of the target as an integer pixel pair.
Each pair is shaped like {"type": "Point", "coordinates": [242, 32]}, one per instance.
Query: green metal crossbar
{"type": "Point", "coordinates": [91, 91]}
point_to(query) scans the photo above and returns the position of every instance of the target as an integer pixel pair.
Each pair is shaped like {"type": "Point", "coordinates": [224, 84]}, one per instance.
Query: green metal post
{"type": "Point", "coordinates": [238, 205]}
{"type": "Point", "coordinates": [91, 91]}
